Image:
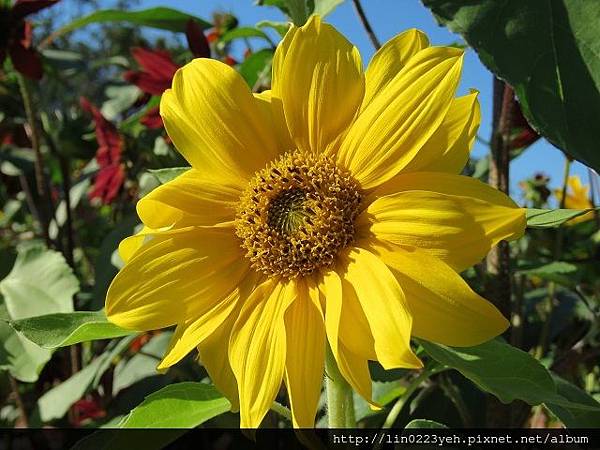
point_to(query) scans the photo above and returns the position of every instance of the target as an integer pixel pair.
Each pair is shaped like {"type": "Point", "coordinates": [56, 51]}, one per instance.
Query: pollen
{"type": "Point", "coordinates": [297, 214]}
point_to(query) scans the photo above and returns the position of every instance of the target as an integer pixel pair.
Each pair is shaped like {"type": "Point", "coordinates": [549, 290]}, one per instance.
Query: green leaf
{"type": "Point", "coordinates": [181, 405]}
{"type": "Point", "coordinates": [62, 329]}
{"type": "Point", "coordinates": [383, 392]}
{"type": "Point", "coordinates": [21, 357]}
{"type": "Point", "coordinates": [256, 69]}
{"type": "Point", "coordinates": [281, 27]}
{"type": "Point", "coordinates": [120, 99]}
{"type": "Point", "coordinates": [23, 297]}
{"type": "Point", "coordinates": [324, 7]}
{"type": "Point", "coordinates": [551, 218]}
{"type": "Point", "coordinates": [424, 423]}
{"type": "Point", "coordinates": [160, 17]}
{"type": "Point", "coordinates": [549, 52]}
{"type": "Point", "coordinates": [297, 10]}
{"type": "Point", "coordinates": [166, 175]}
{"type": "Point", "coordinates": [55, 403]}
{"type": "Point", "coordinates": [558, 271]}
{"type": "Point", "coordinates": [575, 417]}
{"type": "Point", "coordinates": [498, 368]}
{"type": "Point", "coordinates": [24, 294]}
{"type": "Point", "coordinates": [107, 439]}
{"type": "Point", "coordinates": [141, 365]}
{"type": "Point", "coordinates": [244, 33]}
{"type": "Point", "coordinates": [503, 370]}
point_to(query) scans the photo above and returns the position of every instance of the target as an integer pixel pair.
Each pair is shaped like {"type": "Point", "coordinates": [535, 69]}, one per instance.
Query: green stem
{"type": "Point", "coordinates": [282, 410]}
{"type": "Point", "coordinates": [549, 305]}
{"type": "Point", "coordinates": [340, 402]}
{"type": "Point", "coordinates": [397, 408]}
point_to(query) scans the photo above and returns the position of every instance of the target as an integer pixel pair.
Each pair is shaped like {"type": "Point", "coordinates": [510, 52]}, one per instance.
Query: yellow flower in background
{"type": "Point", "coordinates": [578, 197]}
{"type": "Point", "coordinates": [327, 211]}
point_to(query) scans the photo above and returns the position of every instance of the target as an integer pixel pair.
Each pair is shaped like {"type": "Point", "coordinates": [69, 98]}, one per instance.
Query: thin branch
{"type": "Point", "coordinates": [19, 401]}
{"type": "Point", "coordinates": [34, 136]}
{"type": "Point", "coordinates": [498, 262]}
{"type": "Point", "coordinates": [365, 22]}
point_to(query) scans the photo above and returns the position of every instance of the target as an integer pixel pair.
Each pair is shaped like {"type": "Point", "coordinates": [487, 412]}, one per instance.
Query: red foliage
{"type": "Point", "coordinates": [197, 41]}
{"type": "Point", "coordinates": [16, 37]}
{"type": "Point", "coordinates": [528, 135]}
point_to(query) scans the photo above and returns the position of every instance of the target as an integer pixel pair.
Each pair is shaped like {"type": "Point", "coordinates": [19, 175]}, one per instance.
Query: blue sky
{"type": "Point", "coordinates": [389, 17]}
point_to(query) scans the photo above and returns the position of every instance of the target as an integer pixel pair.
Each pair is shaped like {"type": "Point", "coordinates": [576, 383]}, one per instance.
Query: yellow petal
{"type": "Point", "coordinates": [353, 368]}
{"type": "Point", "coordinates": [318, 76]}
{"type": "Point", "coordinates": [390, 59]}
{"type": "Point", "coordinates": [174, 277]}
{"type": "Point", "coordinates": [131, 244]}
{"type": "Point", "coordinates": [216, 123]}
{"type": "Point", "coordinates": [305, 331]}
{"type": "Point", "coordinates": [457, 219]}
{"type": "Point", "coordinates": [273, 108]}
{"type": "Point", "coordinates": [444, 308]}
{"type": "Point", "coordinates": [190, 199]}
{"type": "Point", "coordinates": [355, 332]}
{"type": "Point", "coordinates": [194, 331]}
{"type": "Point", "coordinates": [391, 130]}
{"type": "Point", "coordinates": [385, 307]}
{"type": "Point", "coordinates": [257, 349]}
{"type": "Point", "coordinates": [214, 357]}
{"type": "Point", "coordinates": [448, 149]}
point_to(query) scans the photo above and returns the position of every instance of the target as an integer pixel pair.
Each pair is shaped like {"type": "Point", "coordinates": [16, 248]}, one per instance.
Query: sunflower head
{"type": "Point", "coordinates": [327, 212]}
{"type": "Point", "coordinates": [297, 214]}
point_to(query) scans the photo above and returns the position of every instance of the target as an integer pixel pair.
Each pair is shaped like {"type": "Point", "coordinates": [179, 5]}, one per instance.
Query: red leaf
{"type": "Point", "coordinates": [26, 60]}
{"type": "Point", "coordinates": [23, 8]}
{"type": "Point", "coordinates": [196, 39]}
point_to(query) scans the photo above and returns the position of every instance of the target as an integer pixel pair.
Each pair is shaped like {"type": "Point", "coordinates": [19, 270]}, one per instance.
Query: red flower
{"type": "Point", "coordinates": [111, 175]}
{"type": "Point", "coordinates": [229, 60]}
{"type": "Point", "coordinates": [158, 69]}
{"type": "Point", "coordinates": [15, 36]}
{"type": "Point", "coordinates": [152, 118]}
{"type": "Point", "coordinates": [86, 410]}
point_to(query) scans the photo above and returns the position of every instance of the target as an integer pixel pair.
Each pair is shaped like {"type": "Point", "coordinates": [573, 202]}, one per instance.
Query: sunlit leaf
{"type": "Point", "coordinates": [160, 17]}
{"type": "Point", "coordinates": [549, 52]}
{"type": "Point", "coordinates": [25, 296]}
{"type": "Point", "coordinates": [166, 175]}
{"type": "Point", "coordinates": [62, 329]}
{"type": "Point", "coordinates": [503, 370]}
{"type": "Point", "coordinates": [256, 69]}
{"type": "Point", "coordinates": [181, 405]}
{"type": "Point", "coordinates": [551, 218]}
{"type": "Point", "coordinates": [423, 423]}
{"type": "Point", "coordinates": [244, 33]}
{"type": "Point", "coordinates": [574, 417]}
{"type": "Point", "coordinates": [55, 403]}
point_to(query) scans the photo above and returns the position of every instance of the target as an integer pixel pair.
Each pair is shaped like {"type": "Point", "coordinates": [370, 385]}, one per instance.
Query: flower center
{"type": "Point", "coordinates": [297, 214]}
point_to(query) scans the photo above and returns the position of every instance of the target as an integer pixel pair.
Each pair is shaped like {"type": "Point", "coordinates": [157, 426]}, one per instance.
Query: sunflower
{"type": "Point", "coordinates": [577, 197]}
{"type": "Point", "coordinates": [325, 213]}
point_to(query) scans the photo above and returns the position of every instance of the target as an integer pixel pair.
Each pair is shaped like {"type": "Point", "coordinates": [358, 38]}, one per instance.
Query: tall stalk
{"type": "Point", "coordinates": [340, 401]}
